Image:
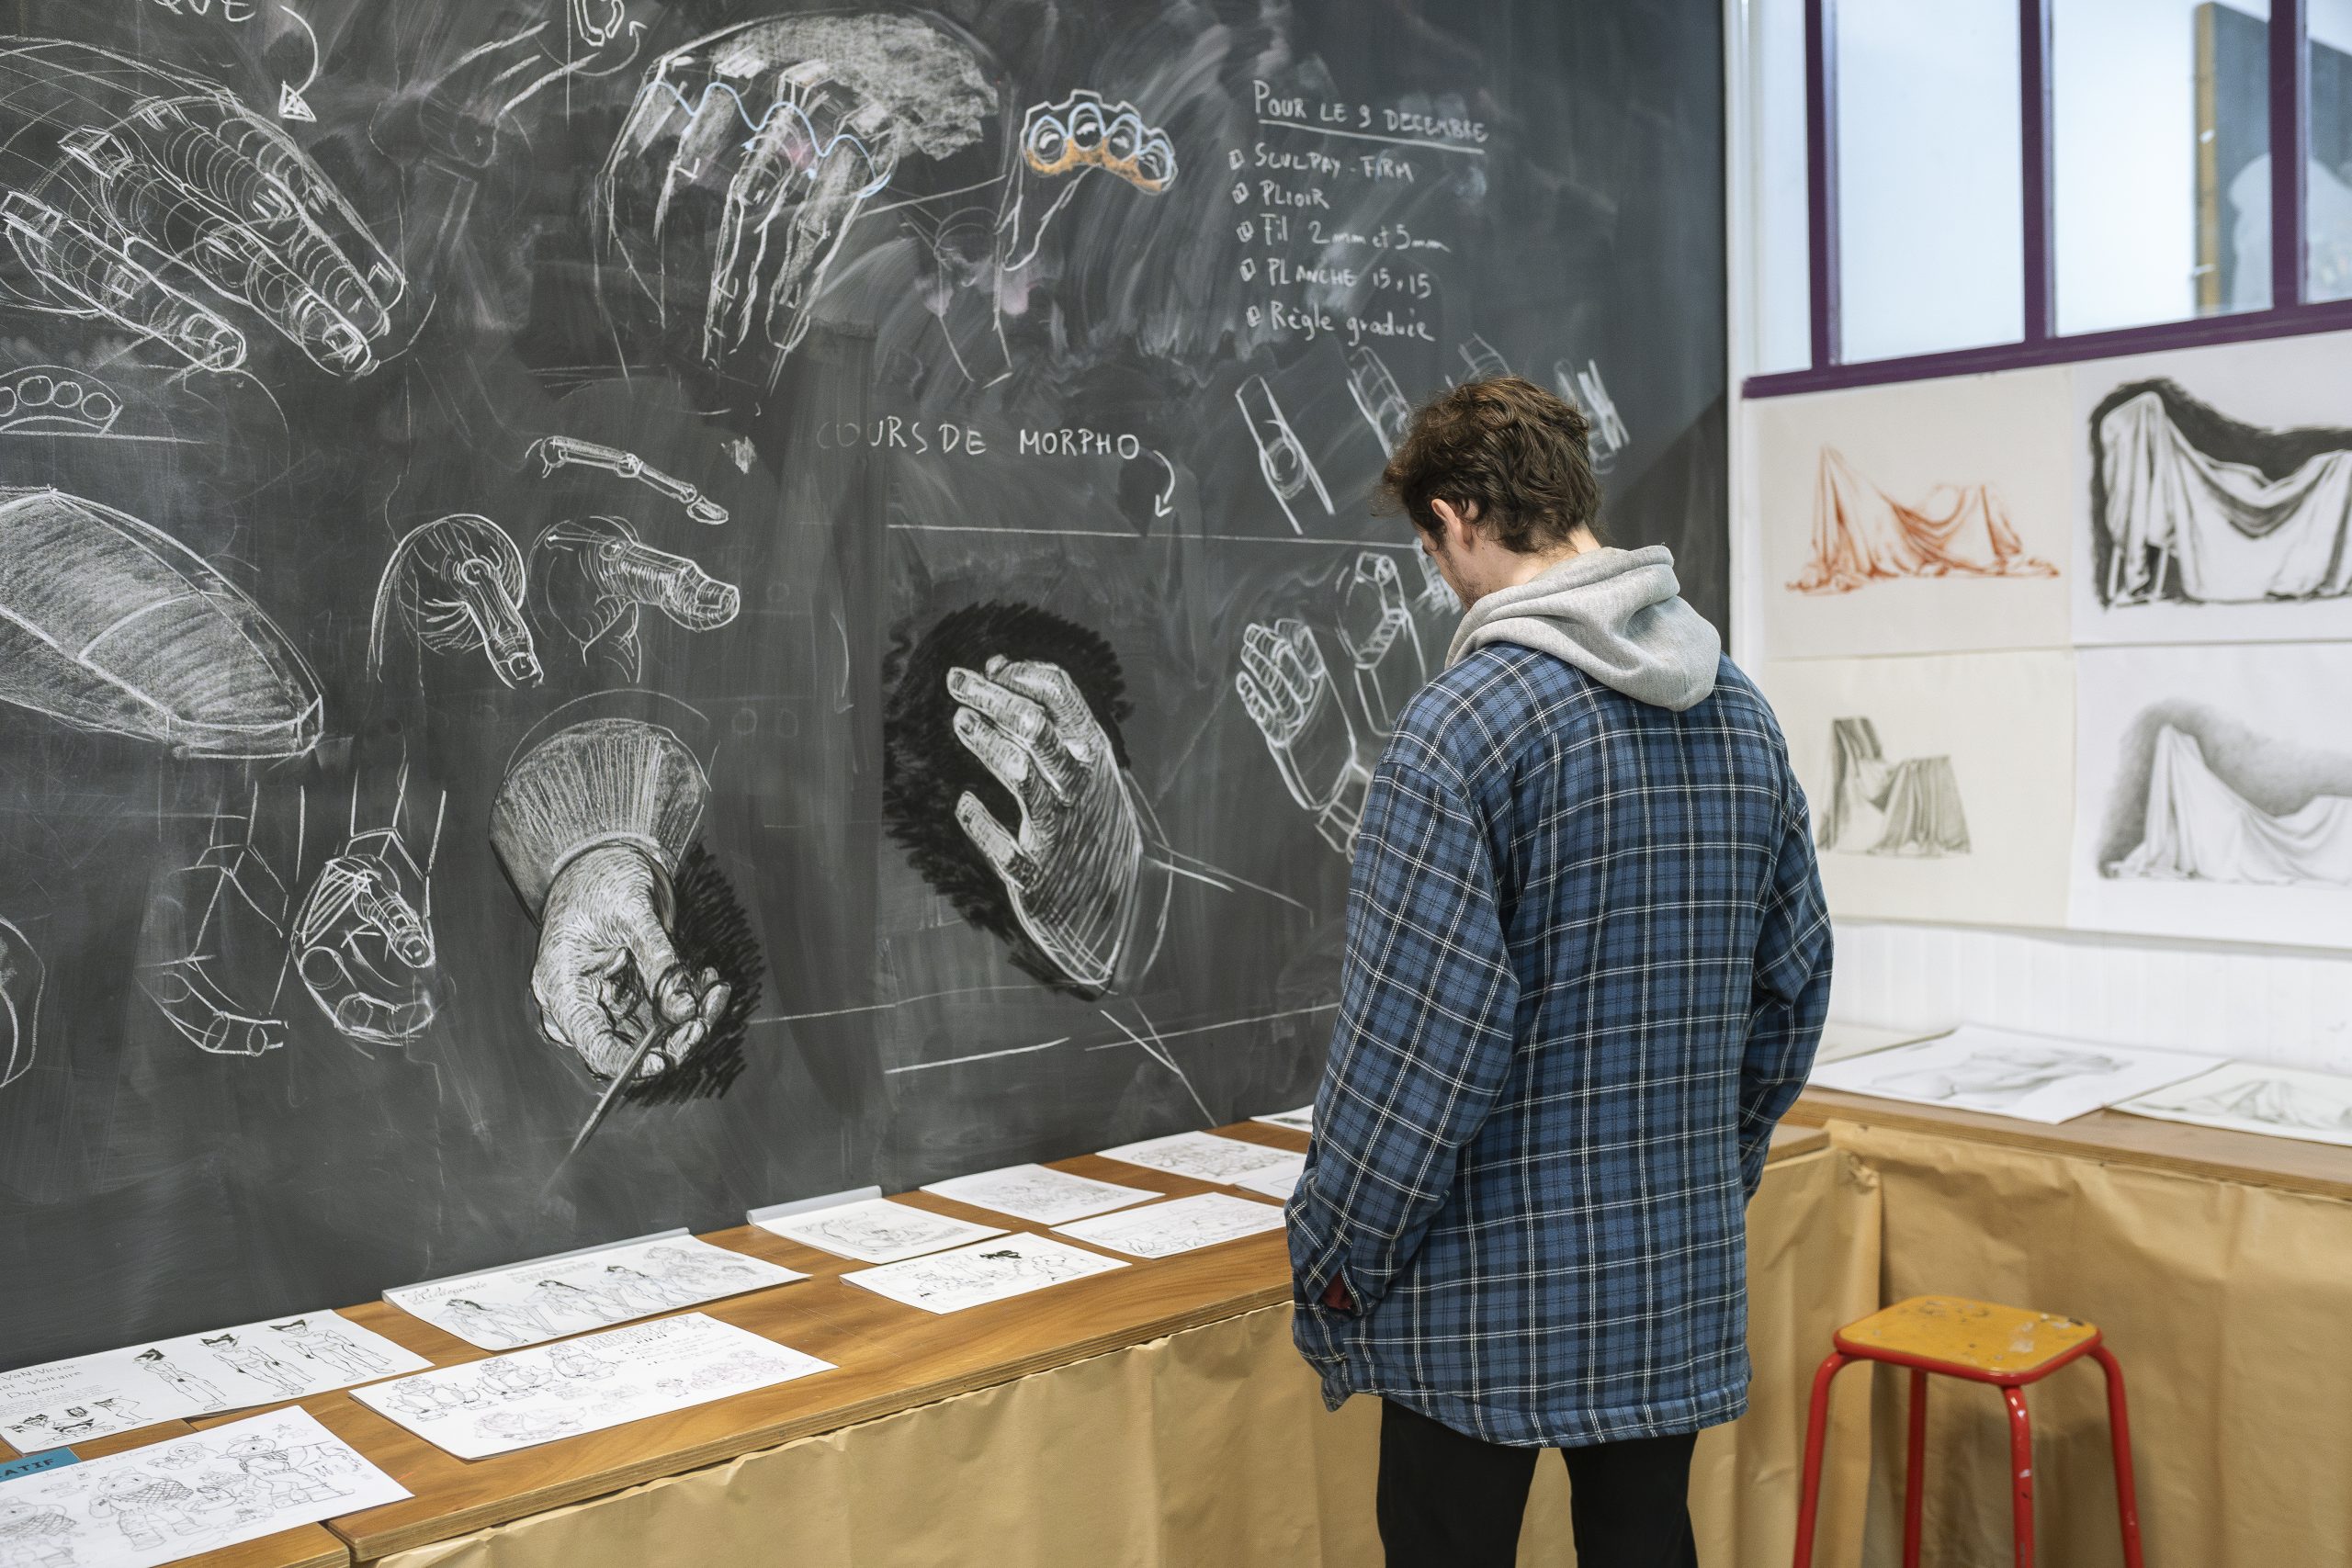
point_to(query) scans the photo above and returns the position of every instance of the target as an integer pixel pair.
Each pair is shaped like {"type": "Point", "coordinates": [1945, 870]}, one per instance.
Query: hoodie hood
{"type": "Point", "coordinates": [1615, 614]}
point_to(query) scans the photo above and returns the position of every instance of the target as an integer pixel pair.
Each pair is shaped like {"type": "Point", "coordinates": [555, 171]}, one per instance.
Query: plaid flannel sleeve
{"type": "Point", "coordinates": [1423, 1044]}
{"type": "Point", "coordinates": [1791, 998]}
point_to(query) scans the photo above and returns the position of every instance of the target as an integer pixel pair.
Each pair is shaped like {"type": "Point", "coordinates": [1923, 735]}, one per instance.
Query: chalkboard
{"type": "Point", "coordinates": [611, 611]}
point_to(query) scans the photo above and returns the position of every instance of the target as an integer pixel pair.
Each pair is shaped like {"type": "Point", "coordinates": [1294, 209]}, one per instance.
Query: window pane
{"type": "Point", "coordinates": [2160, 160]}
{"type": "Point", "coordinates": [2328, 222]}
{"type": "Point", "coordinates": [1930, 204]}
{"type": "Point", "coordinates": [1780, 251]}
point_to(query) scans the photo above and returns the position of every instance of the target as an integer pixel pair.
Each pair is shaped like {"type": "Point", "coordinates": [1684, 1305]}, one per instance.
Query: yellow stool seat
{"type": "Point", "coordinates": [1968, 1339]}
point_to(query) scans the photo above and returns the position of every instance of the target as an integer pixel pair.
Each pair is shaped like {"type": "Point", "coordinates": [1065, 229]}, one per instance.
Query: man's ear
{"type": "Point", "coordinates": [1456, 521]}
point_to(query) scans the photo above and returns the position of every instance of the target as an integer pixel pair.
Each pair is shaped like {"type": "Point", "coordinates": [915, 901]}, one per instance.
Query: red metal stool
{"type": "Point", "coordinates": [1983, 1343]}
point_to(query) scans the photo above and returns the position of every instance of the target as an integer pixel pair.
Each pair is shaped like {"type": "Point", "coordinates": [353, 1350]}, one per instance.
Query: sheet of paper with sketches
{"type": "Point", "coordinates": [1276, 1181]}
{"type": "Point", "coordinates": [188, 1496]}
{"type": "Point", "coordinates": [876, 1230]}
{"type": "Point", "coordinates": [63, 1403]}
{"type": "Point", "coordinates": [2245, 1097]}
{"type": "Point", "coordinates": [1203, 1156]}
{"type": "Point", "coordinates": [2034, 1077]}
{"type": "Point", "coordinates": [989, 1271]}
{"type": "Point", "coordinates": [527, 1303]}
{"type": "Point", "coordinates": [1839, 1040]}
{"type": "Point", "coordinates": [1182, 1224]}
{"type": "Point", "coordinates": [1039, 1193]}
{"type": "Point", "coordinates": [527, 1397]}
{"type": "Point", "coordinates": [1299, 1120]}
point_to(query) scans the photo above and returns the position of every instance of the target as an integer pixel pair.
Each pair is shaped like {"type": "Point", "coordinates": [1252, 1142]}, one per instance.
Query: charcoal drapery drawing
{"type": "Point", "coordinates": [469, 464]}
{"type": "Point", "coordinates": [1861, 534]}
{"type": "Point", "coordinates": [2253, 1096]}
{"type": "Point", "coordinates": [2199, 796]}
{"type": "Point", "coordinates": [1880, 806]}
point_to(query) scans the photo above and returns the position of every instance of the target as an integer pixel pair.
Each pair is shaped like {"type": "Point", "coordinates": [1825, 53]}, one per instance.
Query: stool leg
{"type": "Point", "coordinates": [1914, 1469]}
{"type": "Point", "coordinates": [2119, 1431]}
{"type": "Point", "coordinates": [1816, 1432]}
{"type": "Point", "coordinates": [2020, 1477]}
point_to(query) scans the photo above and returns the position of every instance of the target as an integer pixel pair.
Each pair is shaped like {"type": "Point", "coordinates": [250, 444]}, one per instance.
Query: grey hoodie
{"type": "Point", "coordinates": [1615, 614]}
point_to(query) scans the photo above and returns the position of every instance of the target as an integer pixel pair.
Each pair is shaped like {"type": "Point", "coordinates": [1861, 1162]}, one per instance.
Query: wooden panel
{"type": "Point", "coordinates": [2213, 1153]}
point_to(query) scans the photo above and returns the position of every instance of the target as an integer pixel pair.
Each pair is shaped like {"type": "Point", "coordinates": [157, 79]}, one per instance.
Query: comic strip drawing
{"type": "Point", "coordinates": [158, 202]}
{"type": "Point", "coordinates": [1582, 390]}
{"type": "Point", "coordinates": [1078, 133]}
{"type": "Point", "coordinates": [1377, 398]}
{"type": "Point", "coordinates": [1281, 458]}
{"type": "Point", "coordinates": [2195, 827]}
{"type": "Point", "coordinates": [1376, 628]}
{"type": "Point", "coordinates": [257, 1363]}
{"type": "Point", "coordinates": [340, 1355]}
{"type": "Point", "coordinates": [2190, 505]}
{"type": "Point", "coordinates": [183, 1384]}
{"type": "Point", "coordinates": [556, 453]}
{"type": "Point", "coordinates": [1862, 535]}
{"type": "Point", "coordinates": [51, 399]}
{"type": "Point", "coordinates": [22, 977]}
{"type": "Point", "coordinates": [591, 825]}
{"type": "Point", "coordinates": [1877, 807]}
{"type": "Point", "coordinates": [1287, 689]}
{"type": "Point", "coordinates": [109, 625]}
{"type": "Point", "coordinates": [36, 1535]}
{"type": "Point", "coordinates": [591, 576]}
{"type": "Point", "coordinates": [749, 155]}
{"type": "Point", "coordinates": [985, 1271]}
{"type": "Point", "coordinates": [458, 584]}
{"type": "Point", "coordinates": [1185, 1224]}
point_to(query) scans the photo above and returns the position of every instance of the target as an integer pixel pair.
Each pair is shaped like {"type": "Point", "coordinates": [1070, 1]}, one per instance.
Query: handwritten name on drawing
{"type": "Point", "coordinates": [1299, 110]}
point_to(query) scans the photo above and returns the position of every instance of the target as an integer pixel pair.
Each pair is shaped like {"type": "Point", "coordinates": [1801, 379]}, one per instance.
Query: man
{"type": "Point", "coordinates": [1588, 964]}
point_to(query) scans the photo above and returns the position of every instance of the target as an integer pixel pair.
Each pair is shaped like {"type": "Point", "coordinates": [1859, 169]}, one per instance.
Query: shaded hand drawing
{"type": "Point", "coordinates": [22, 978]}
{"type": "Point", "coordinates": [57, 399]}
{"type": "Point", "coordinates": [1287, 691]}
{"type": "Point", "coordinates": [1877, 807]}
{"type": "Point", "coordinates": [1376, 628]}
{"type": "Point", "coordinates": [158, 202]}
{"type": "Point", "coordinates": [1862, 535]}
{"type": "Point", "coordinates": [1282, 462]}
{"type": "Point", "coordinates": [362, 937]}
{"type": "Point", "coordinates": [109, 625]}
{"type": "Point", "coordinates": [457, 584]}
{"type": "Point", "coordinates": [590, 825]}
{"type": "Point", "coordinates": [1377, 398]}
{"type": "Point", "coordinates": [749, 154]}
{"type": "Point", "coordinates": [591, 576]}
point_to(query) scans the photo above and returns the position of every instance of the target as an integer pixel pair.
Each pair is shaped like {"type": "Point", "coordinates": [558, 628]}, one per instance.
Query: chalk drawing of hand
{"type": "Point", "coordinates": [1287, 691]}
{"type": "Point", "coordinates": [608, 974]}
{"type": "Point", "coordinates": [1377, 630]}
{"type": "Point", "coordinates": [1071, 867]}
{"type": "Point", "coordinates": [363, 943]}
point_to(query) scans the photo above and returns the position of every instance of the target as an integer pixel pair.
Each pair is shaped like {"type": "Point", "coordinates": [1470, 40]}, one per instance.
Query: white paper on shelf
{"type": "Point", "coordinates": [188, 1496]}
{"type": "Point", "coordinates": [876, 1230]}
{"type": "Point", "coordinates": [2248, 1096]}
{"type": "Point", "coordinates": [1276, 1181]}
{"type": "Point", "coordinates": [1038, 1193]}
{"type": "Point", "coordinates": [527, 1303]}
{"type": "Point", "coordinates": [1203, 1156]}
{"type": "Point", "coordinates": [527, 1397]}
{"type": "Point", "coordinates": [989, 1271]}
{"type": "Point", "coordinates": [1180, 1225]}
{"type": "Point", "coordinates": [1299, 1120]}
{"type": "Point", "coordinates": [2034, 1077]}
{"type": "Point", "coordinates": [195, 1374]}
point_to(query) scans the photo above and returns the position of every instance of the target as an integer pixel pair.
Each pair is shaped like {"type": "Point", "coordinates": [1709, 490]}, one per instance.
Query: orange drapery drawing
{"type": "Point", "coordinates": [1861, 534]}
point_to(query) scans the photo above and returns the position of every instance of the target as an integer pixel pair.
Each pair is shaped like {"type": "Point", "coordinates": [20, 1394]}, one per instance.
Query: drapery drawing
{"type": "Point", "coordinates": [1910, 808]}
{"type": "Point", "coordinates": [2198, 827]}
{"type": "Point", "coordinates": [1861, 534]}
{"type": "Point", "coordinates": [2188, 504]}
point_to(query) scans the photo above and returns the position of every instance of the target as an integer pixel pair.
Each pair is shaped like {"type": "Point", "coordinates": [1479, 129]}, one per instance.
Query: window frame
{"type": "Point", "coordinates": [2289, 314]}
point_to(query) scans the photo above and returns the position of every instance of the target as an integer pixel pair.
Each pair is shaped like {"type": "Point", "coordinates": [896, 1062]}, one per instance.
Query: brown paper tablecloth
{"type": "Point", "coordinates": [1212, 1447]}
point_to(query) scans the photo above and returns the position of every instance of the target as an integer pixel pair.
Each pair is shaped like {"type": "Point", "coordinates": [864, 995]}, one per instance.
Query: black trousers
{"type": "Point", "coordinates": [1449, 1501]}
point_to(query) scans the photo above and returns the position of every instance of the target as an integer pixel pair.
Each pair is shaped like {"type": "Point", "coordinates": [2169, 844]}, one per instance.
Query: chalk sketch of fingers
{"type": "Point", "coordinates": [362, 937]}
{"type": "Point", "coordinates": [159, 202]}
{"type": "Point", "coordinates": [1067, 139]}
{"type": "Point", "coordinates": [1281, 458]}
{"type": "Point", "coordinates": [1287, 691]}
{"type": "Point", "coordinates": [51, 399]}
{"type": "Point", "coordinates": [1377, 398]}
{"type": "Point", "coordinates": [22, 976]}
{"type": "Point", "coordinates": [1376, 627]}
{"type": "Point", "coordinates": [109, 625]}
{"type": "Point", "coordinates": [222, 921]}
{"type": "Point", "coordinates": [597, 22]}
{"type": "Point", "coordinates": [749, 154]}
{"type": "Point", "coordinates": [590, 576]}
{"type": "Point", "coordinates": [1583, 388]}
{"type": "Point", "coordinates": [458, 584]}
{"type": "Point", "coordinates": [558, 452]}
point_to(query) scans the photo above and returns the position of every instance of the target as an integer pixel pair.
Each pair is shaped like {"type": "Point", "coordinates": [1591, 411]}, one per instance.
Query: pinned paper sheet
{"type": "Point", "coordinates": [527, 1303]}
{"type": "Point", "coordinates": [1182, 1224]}
{"type": "Point", "coordinates": [1038, 1193]}
{"type": "Point", "coordinates": [197, 1374]}
{"type": "Point", "coordinates": [876, 1230]}
{"type": "Point", "coordinates": [2034, 1077]}
{"type": "Point", "coordinates": [975, 1276]}
{"type": "Point", "coordinates": [528, 1397]}
{"type": "Point", "coordinates": [1203, 1156]}
{"type": "Point", "coordinates": [187, 1496]}
{"type": "Point", "coordinates": [2246, 1097]}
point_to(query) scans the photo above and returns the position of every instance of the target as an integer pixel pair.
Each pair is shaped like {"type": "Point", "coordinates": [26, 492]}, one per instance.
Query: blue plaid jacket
{"type": "Point", "coordinates": [1588, 964]}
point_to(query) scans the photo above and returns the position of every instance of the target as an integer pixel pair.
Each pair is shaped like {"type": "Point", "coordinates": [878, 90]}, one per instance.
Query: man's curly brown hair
{"type": "Point", "coordinates": [1505, 445]}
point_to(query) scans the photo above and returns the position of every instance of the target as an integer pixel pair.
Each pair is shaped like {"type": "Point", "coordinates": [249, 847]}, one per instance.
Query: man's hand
{"type": "Point", "coordinates": [1072, 868]}
{"type": "Point", "coordinates": [1335, 1295]}
{"type": "Point", "coordinates": [607, 975]}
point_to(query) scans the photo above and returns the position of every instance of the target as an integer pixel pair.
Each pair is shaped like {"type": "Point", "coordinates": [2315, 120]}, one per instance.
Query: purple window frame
{"type": "Point", "coordinates": [2289, 313]}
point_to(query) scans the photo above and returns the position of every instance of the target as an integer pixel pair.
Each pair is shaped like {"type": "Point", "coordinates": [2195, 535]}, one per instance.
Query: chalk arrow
{"type": "Point", "coordinates": [293, 105]}
{"type": "Point", "coordinates": [1159, 503]}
